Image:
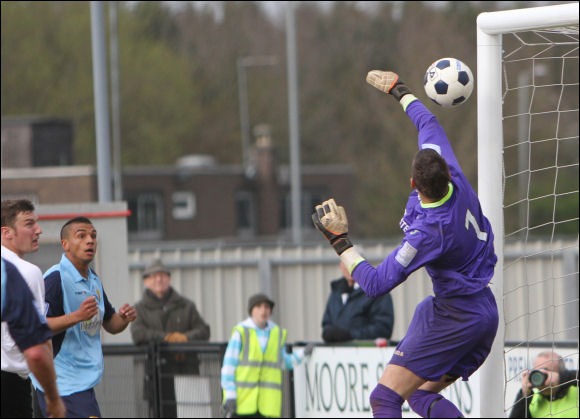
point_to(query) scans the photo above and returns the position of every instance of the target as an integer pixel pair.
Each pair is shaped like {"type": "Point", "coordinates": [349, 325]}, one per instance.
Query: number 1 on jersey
{"type": "Point", "coordinates": [470, 219]}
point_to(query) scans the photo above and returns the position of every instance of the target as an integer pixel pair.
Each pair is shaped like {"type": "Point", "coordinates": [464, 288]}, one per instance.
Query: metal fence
{"type": "Point", "coordinates": [161, 380]}
{"type": "Point", "coordinates": [219, 279]}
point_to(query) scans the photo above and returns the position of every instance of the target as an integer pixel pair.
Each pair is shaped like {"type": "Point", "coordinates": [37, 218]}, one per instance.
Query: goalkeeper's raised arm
{"type": "Point", "coordinates": [431, 134]}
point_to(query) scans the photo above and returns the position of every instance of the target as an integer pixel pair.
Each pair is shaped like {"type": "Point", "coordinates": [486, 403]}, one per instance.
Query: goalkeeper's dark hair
{"type": "Point", "coordinates": [430, 173]}
{"type": "Point", "coordinates": [77, 220]}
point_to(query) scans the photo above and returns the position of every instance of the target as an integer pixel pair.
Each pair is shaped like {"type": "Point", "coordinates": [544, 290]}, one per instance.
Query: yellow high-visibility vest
{"type": "Point", "coordinates": [259, 375]}
{"type": "Point", "coordinates": [566, 407]}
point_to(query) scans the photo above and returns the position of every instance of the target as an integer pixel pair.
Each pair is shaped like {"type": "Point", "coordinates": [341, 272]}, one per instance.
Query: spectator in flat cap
{"type": "Point", "coordinates": [253, 363]}
{"type": "Point", "coordinates": [166, 316]}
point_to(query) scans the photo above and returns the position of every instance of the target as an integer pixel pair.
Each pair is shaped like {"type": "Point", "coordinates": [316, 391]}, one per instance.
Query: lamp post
{"type": "Point", "coordinates": [101, 100]}
{"type": "Point", "coordinates": [115, 101]}
{"type": "Point", "coordinates": [294, 124]}
{"type": "Point", "coordinates": [242, 64]}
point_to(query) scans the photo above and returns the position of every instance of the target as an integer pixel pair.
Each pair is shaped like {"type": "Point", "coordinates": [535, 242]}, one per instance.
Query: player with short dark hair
{"type": "Point", "coordinates": [430, 173]}
{"type": "Point", "coordinates": [451, 334]}
{"type": "Point", "coordinates": [77, 308]}
{"type": "Point", "coordinates": [76, 220]}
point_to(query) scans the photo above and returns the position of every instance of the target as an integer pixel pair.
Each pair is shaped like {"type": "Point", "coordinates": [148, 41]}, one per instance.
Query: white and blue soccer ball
{"type": "Point", "coordinates": [448, 82]}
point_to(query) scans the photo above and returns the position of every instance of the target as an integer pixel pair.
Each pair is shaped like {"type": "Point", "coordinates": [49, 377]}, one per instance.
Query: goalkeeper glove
{"type": "Point", "coordinates": [388, 82]}
{"type": "Point", "coordinates": [330, 220]}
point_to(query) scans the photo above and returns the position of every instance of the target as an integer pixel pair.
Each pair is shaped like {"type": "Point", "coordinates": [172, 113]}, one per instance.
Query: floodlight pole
{"type": "Point", "coordinates": [101, 100]}
{"type": "Point", "coordinates": [115, 101]}
{"type": "Point", "coordinates": [294, 123]}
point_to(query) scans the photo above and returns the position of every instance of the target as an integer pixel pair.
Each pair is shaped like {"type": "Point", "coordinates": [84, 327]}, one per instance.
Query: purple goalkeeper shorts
{"type": "Point", "coordinates": [449, 336]}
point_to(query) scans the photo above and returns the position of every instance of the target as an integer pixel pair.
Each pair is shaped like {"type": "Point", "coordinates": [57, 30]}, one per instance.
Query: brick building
{"type": "Point", "coordinates": [194, 199]}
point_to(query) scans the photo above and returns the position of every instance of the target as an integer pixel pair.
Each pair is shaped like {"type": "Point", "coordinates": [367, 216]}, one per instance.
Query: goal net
{"type": "Point", "coordinates": [528, 184]}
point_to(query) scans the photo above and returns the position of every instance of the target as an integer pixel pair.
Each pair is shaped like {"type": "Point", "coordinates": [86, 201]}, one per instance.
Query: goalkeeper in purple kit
{"type": "Point", "coordinates": [451, 334]}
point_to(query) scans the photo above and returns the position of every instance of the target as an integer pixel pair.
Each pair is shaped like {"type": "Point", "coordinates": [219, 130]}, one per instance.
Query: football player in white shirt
{"type": "Point", "coordinates": [20, 232]}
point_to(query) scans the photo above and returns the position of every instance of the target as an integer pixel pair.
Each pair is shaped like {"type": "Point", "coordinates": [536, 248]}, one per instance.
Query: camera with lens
{"type": "Point", "coordinates": [537, 378]}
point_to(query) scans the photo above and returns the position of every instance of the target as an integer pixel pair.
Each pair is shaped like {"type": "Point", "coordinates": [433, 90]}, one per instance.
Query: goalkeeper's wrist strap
{"type": "Point", "coordinates": [399, 90]}
{"type": "Point", "coordinates": [341, 244]}
{"type": "Point", "coordinates": [351, 259]}
{"type": "Point", "coordinates": [406, 101]}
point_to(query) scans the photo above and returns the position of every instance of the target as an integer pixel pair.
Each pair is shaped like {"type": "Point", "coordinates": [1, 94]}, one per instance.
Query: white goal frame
{"type": "Point", "coordinates": [490, 28]}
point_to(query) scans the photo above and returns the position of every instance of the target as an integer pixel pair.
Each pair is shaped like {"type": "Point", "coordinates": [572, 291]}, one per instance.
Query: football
{"type": "Point", "coordinates": [448, 82]}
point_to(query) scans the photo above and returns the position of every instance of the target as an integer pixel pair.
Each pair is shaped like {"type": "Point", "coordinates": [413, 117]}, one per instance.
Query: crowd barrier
{"type": "Point", "coordinates": [183, 380]}
{"type": "Point", "coordinates": [161, 380]}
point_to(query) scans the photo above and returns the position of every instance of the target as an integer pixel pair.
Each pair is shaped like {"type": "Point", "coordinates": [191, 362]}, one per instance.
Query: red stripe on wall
{"type": "Point", "coordinates": [105, 214]}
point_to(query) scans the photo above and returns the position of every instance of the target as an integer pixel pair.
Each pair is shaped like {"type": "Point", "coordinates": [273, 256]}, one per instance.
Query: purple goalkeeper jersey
{"type": "Point", "coordinates": [451, 238]}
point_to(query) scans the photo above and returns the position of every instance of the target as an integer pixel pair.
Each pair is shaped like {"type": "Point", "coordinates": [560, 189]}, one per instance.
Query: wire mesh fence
{"type": "Point", "coordinates": [169, 381]}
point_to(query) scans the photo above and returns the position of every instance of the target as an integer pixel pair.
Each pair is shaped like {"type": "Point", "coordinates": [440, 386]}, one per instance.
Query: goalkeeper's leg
{"type": "Point", "coordinates": [429, 404]}
{"type": "Point", "coordinates": [394, 387]}
{"type": "Point", "coordinates": [399, 383]}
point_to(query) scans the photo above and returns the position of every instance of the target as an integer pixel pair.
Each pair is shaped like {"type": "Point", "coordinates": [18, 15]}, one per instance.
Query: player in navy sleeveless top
{"type": "Point", "coordinates": [28, 328]}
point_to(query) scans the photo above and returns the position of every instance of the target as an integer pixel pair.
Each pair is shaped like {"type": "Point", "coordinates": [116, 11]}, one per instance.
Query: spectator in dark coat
{"type": "Point", "coordinates": [350, 314]}
{"type": "Point", "coordinates": [166, 316]}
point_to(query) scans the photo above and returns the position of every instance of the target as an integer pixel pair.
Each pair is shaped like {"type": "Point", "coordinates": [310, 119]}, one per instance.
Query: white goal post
{"type": "Point", "coordinates": [490, 28]}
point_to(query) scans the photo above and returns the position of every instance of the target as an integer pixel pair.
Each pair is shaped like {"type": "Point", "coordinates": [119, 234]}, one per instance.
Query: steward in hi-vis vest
{"type": "Point", "coordinates": [253, 364]}
{"type": "Point", "coordinates": [259, 374]}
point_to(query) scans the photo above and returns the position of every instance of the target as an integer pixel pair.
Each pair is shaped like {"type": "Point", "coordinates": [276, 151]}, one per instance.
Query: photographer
{"type": "Point", "coordinates": [548, 390]}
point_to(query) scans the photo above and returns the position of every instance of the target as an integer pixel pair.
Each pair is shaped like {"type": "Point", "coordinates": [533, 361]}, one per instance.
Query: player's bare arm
{"type": "Point", "coordinates": [120, 320]}
{"type": "Point", "coordinates": [87, 310]}
{"type": "Point", "coordinates": [39, 359]}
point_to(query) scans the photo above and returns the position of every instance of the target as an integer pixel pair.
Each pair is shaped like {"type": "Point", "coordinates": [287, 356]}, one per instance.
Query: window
{"type": "Point", "coordinates": [146, 219]}
{"type": "Point", "coordinates": [245, 214]}
{"type": "Point", "coordinates": [309, 199]}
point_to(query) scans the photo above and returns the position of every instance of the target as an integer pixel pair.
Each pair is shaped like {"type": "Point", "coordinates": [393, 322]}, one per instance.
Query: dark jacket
{"type": "Point", "coordinates": [158, 317]}
{"type": "Point", "coordinates": [521, 408]}
{"type": "Point", "coordinates": [363, 317]}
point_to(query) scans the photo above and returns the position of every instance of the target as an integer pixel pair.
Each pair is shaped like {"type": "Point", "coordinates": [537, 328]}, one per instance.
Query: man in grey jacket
{"type": "Point", "coordinates": [166, 316]}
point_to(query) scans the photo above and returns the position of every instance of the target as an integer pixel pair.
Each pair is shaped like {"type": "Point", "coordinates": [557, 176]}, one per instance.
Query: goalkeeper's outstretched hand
{"type": "Point", "coordinates": [388, 82]}
{"type": "Point", "coordinates": [330, 219]}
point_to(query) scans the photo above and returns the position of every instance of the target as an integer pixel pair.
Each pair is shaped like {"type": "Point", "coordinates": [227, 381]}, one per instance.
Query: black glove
{"type": "Point", "coordinates": [399, 90]}
{"type": "Point", "coordinates": [335, 334]}
{"type": "Point", "coordinates": [308, 349]}
{"type": "Point", "coordinates": [230, 408]}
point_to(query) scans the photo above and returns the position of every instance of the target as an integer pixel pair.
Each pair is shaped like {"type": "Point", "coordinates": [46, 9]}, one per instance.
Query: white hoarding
{"type": "Point", "coordinates": [338, 381]}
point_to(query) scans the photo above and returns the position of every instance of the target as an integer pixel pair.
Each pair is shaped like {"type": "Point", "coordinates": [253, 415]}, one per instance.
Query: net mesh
{"type": "Point", "coordinates": [541, 192]}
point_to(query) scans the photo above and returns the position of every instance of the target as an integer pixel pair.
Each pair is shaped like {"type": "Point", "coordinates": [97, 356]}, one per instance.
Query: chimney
{"type": "Point", "coordinates": [266, 182]}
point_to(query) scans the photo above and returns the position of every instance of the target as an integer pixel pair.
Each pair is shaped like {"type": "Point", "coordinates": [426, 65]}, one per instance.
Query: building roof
{"type": "Point", "coordinates": [17, 120]}
{"type": "Point", "coordinates": [47, 172]}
